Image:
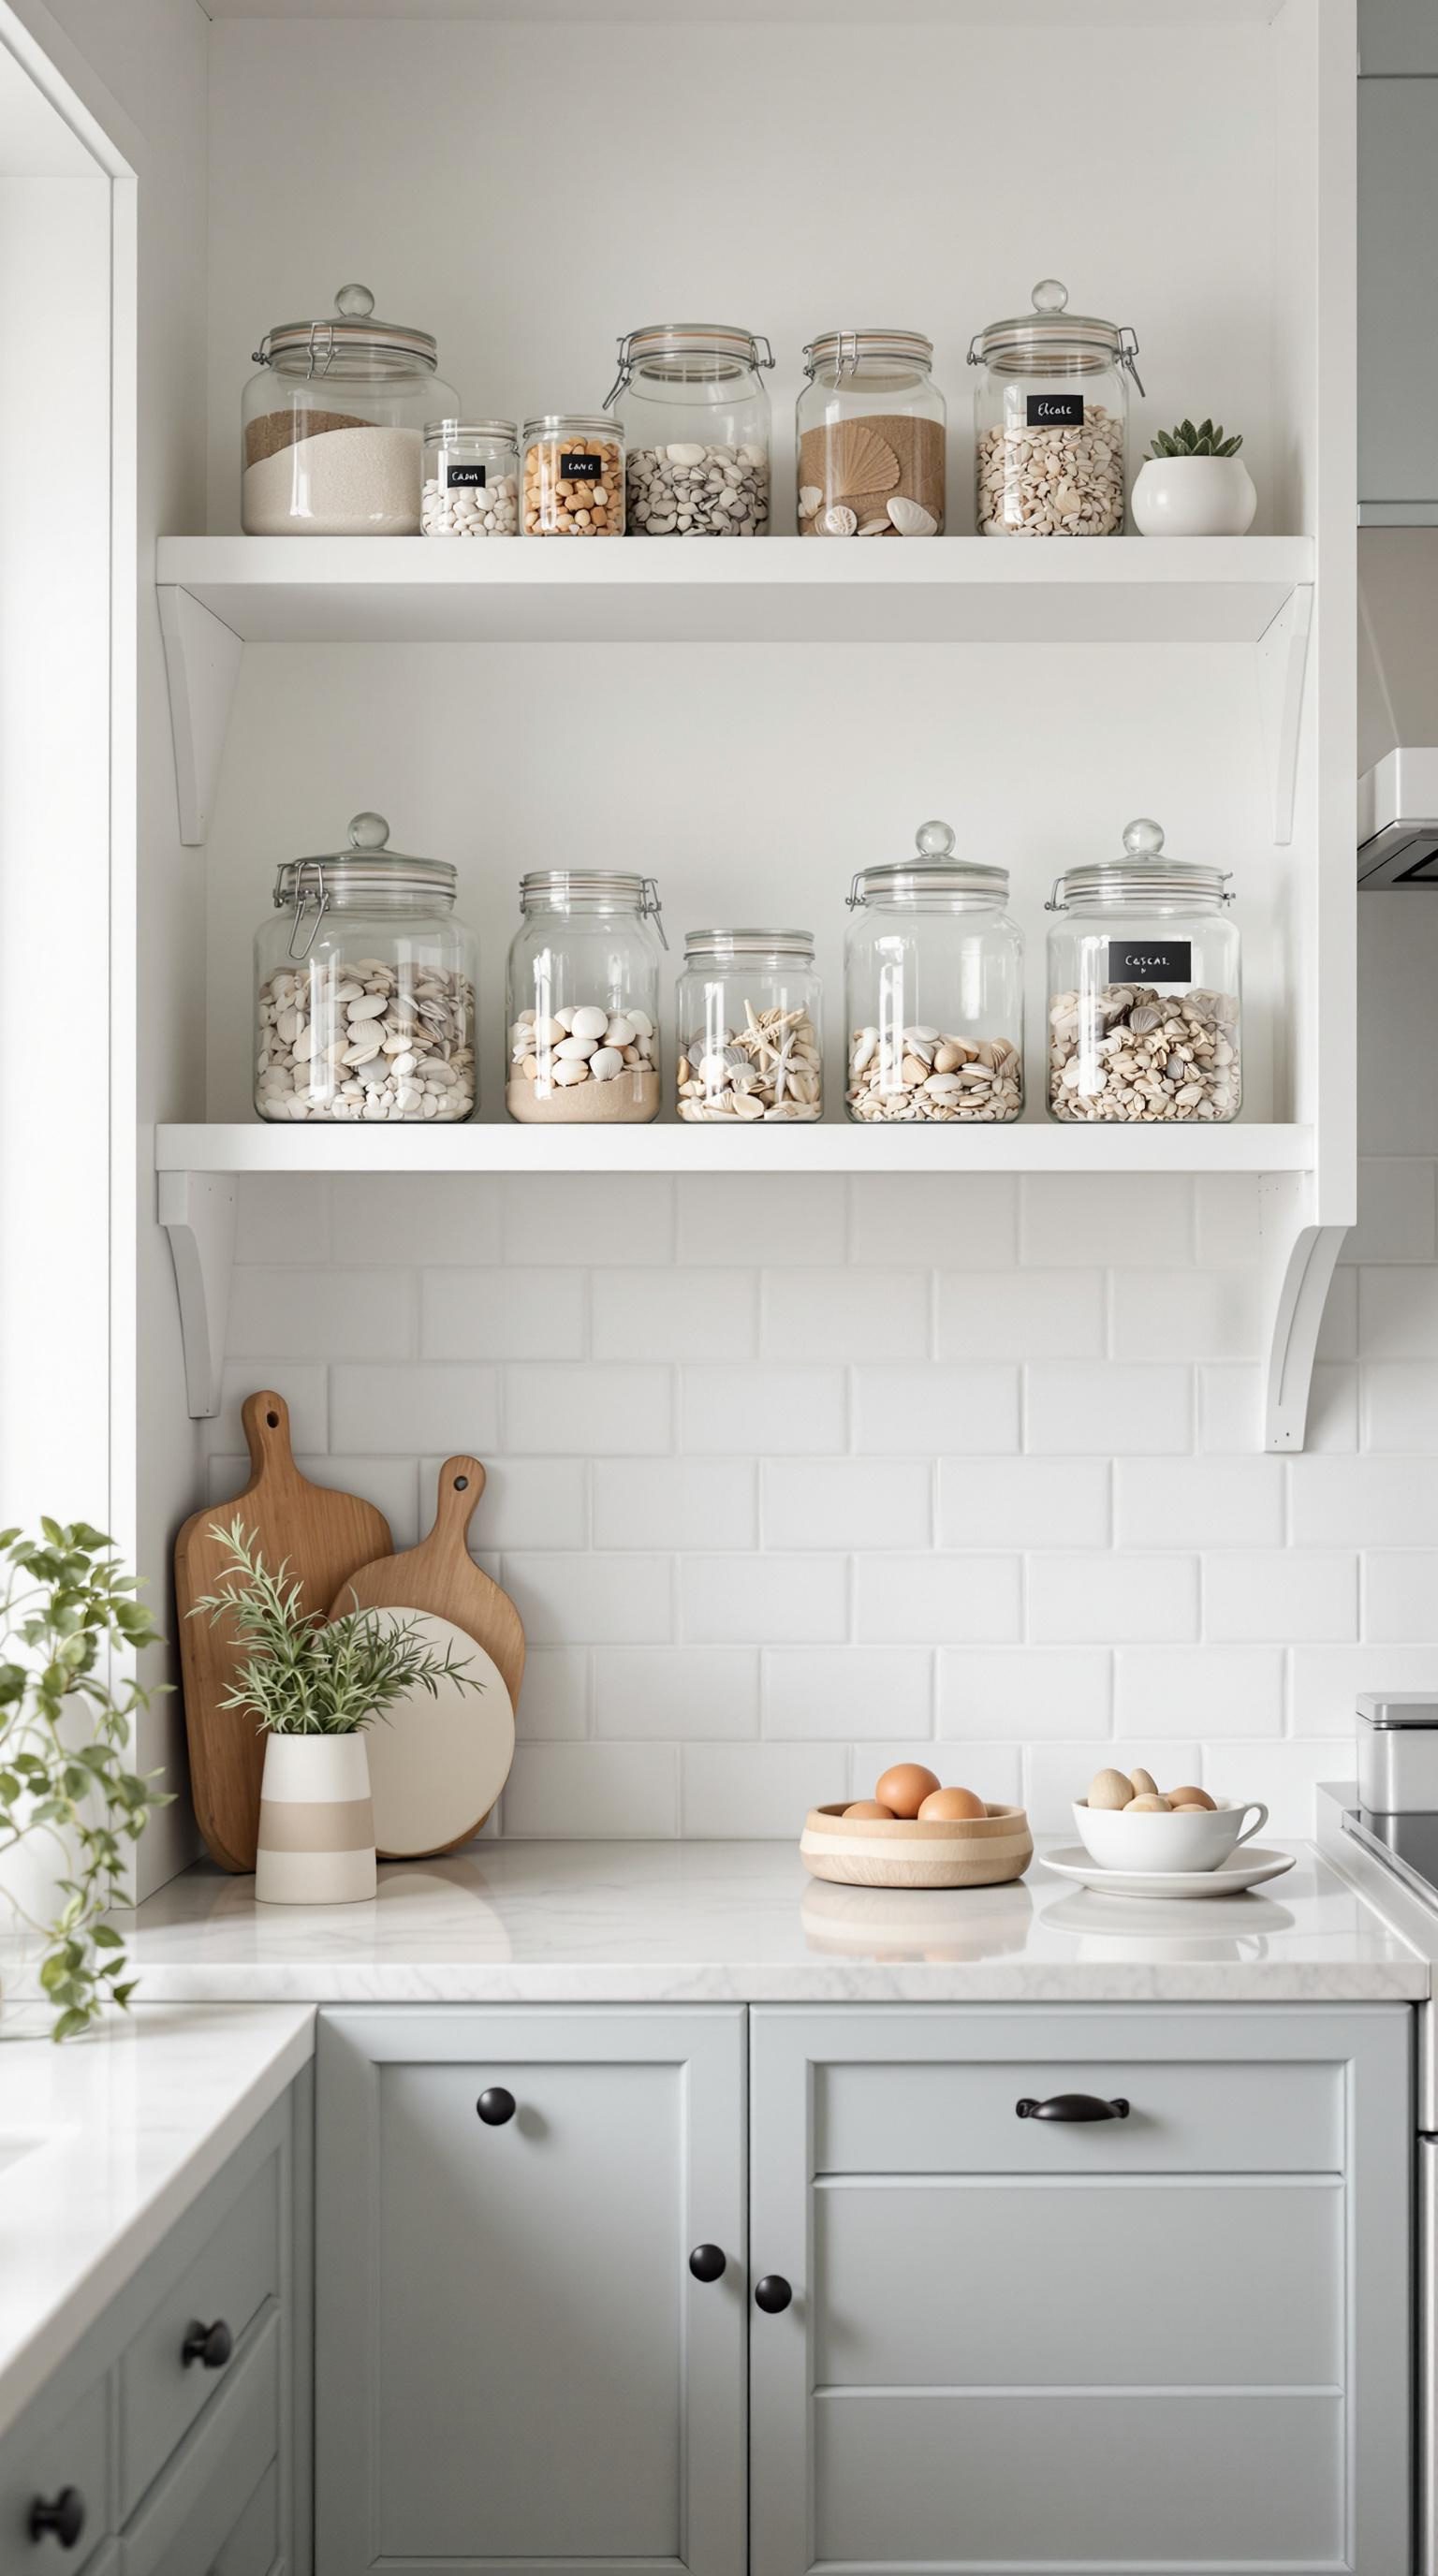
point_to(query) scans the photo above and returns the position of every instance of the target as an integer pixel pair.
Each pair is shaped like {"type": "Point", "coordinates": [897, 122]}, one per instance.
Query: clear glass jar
{"type": "Point", "coordinates": [582, 1000]}
{"type": "Point", "coordinates": [471, 479]}
{"type": "Point", "coordinates": [871, 426]}
{"type": "Point", "coordinates": [934, 971]}
{"type": "Point", "coordinates": [1144, 990]}
{"type": "Point", "coordinates": [573, 475]}
{"type": "Point", "coordinates": [1051, 421]}
{"type": "Point", "coordinates": [334, 425]}
{"type": "Point", "coordinates": [696, 430]}
{"type": "Point", "coordinates": [364, 988]}
{"type": "Point", "coordinates": [748, 1010]}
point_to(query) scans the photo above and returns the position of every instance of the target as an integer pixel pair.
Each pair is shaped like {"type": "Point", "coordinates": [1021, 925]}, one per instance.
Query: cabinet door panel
{"type": "Point", "coordinates": [515, 2362]}
{"type": "Point", "coordinates": [1397, 290]}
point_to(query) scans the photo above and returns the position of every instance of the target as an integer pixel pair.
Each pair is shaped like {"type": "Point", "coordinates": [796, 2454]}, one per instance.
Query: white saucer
{"type": "Point", "coordinates": [1248, 1867]}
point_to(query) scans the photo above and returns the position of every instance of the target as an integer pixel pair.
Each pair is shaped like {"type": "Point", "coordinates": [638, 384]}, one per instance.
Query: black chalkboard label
{"type": "Point", "coordinates": [1054, 411]}
{"type": "Point", "coordinates": [581, 469]}
{"type": "Point", "coordinates": [464, 477]}
{"type": "Point", "coordinates": [1150, 961]}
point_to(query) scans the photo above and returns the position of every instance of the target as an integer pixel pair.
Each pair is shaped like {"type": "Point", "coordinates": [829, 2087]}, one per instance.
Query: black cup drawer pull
{"type": "Point", "coordinates": [63, 2518]}
{"type": "Point", "coordinates": [1072, 2106]}
{"type": "Point", "coordinates": [211, 2345]}
{"type": "Point", "coordinates": [495, 2106]}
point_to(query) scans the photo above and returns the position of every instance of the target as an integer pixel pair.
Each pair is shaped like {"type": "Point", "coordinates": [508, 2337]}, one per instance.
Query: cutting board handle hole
{"type": "Point", "coordinates": [461, 1484]}
{"type": "Point", "coordinates": [273, 1420]}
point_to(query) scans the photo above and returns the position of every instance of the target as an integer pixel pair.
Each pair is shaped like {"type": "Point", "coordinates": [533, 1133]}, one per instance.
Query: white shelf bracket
{"type": "Point", "coordinates": [1282, 654]}
{"type": "Point", "coordinates": [202, 666]}
{"type": "Point", "coordinates": [197, 1211]}
{"type": "Point", "coordinates": [1298, 1269]}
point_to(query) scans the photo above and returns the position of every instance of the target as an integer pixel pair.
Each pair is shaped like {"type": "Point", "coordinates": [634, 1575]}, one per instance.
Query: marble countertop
{"type": "Point", "coordinates": [741, 1922]}
{"type": "Point", "coordinates": [103, 2143]}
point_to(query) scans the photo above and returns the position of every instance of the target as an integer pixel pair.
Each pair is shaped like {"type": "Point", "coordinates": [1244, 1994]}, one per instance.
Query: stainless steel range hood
{"type": "Point", "coordinates": [1398, 821]}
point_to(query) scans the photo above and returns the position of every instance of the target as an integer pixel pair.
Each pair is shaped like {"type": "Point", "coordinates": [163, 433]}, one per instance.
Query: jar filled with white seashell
{"type": "Point", "coordinates": [364, 989]}
{"type": "Point", "coordinates": [1051, 420]}
{"type": "Point", "coordinates": [582, 1000]}
{"type": "Point", "coordinates": [748, 1011]}
{"type": "Point", "coordinates": [695, 414]}
{"type": "Point", "coordinates": [1144, 991]}
{"type": "Point", "coordinates": [871, 427]}
{"type": "Point", "coordinates": [935, 983]}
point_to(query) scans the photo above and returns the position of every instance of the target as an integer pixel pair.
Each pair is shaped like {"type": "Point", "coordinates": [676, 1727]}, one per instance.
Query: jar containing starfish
{"type": "Point", "coordinates": [747, 1013]}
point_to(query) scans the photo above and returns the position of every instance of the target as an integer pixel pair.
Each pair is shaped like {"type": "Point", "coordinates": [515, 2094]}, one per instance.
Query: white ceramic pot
{"type": "Point", "coordinates": [316, 1843]}
{"type": "Point", "coordinates": [1193, 496]}
{"type": "Point", "coordinates": [1153, 1840]}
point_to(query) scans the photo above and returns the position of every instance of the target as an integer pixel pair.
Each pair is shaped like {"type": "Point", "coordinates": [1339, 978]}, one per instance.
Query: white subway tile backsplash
{"type": "Point", "coordinates": [1226, 1214]}
{"type": "Point", "coordinates": [1230, 1410]}
{"type": "Point", "coordinates": [763, 1600]}
{"type": "Point", "coordinates": [1338, 1332]}
{"type": "Point", "coordinates": [845, 1314]}
{"type": "Point", "coordinates": [838, 1692]}
{"type": "Point", "coordinates": [1024, 1502]}
{"type": "Point", "coordinates": [298, 1315]}
{"type": "Point", "coordinates": [1362, 1502]}
{"type": "Point", "coordinates": [1020, 1315]}
{"type": "Point", "coordinates": [414, 1410]}
{"type": "Point", "coordinates": [554, 1694]}
{"type": "Point", "coordinates": [676, 1502]}
{"type": "Point", "coordinates": [1199, 1691]}
{"type": "Point", "coordinates": [600, 1220]}
{"type": "Point", "coordinates": [1072, 1222]}
{"type": "Point", "coordinates": [1333, 1409]}
{"type": "Point", "coordinates": [1284, 1776]}
{"type": "Point", "coordinates": [1184, 1315]}
{"type": "Point", "coordinates": [1397, 1312]}
{"type": "Point", "coordinates": [751, 1411]}
{"type": "Point", "coordinates": [962, 1221]}
{"type": "Point", "coordinates": [676, 1693]}
{"type": "Point", "coordinates": [1326, 1680]}
{"type": "Point", "coordinates": [1283, 1595]}
{"type": "Point", "coordinates": [593, 1792]}
{"type": "Point", "coordinates": [908, 1412]}
{"type": "Point", "coordinates": [767, 1219]}
{"type": "Point", "coordinates": [413, 1220]}
{"type": "Point", "coordinates": [612, 1411]}
{"type": "Point", "coordinates": [1241, 1499]}
{"type": "Point", "coordinates": [937, 1600]}
{"type": "Point", "coordinates": [527, 1502]}
{"type": "Point", "coordinates": [606, 1599]}
{"type": "Point", "coordinates": [1400, 1595]}
{"type": "Point", "coordinates": [1105, 1599]}
{"type": "Point", "coordinates": [1399, 1401]}
{"type": "Point", "coordinates": [277, 1224]}
{"type": "Point", "coordinates": [503, 1314]}
{"type": "Point", "coordinates": [1025, 1692]}
{"type": "Point", "coordinates": [673, 1315]}
{"type": "Point", "coordinates": [728, 1792]}
{"type": "Point", "coordinates": [1095, 1408]}
{"type": "Point", "coordinates": [848, 1502]}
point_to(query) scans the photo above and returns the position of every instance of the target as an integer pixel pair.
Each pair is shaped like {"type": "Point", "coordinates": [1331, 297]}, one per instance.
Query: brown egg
{"type": "Point", "coordinates": [870, 1809]}
{"type": "Point", "coordinates": [904, 1788]}
{"type": "Point", "coordinates": [1186, 1807]}
{"type": "Point", "coordinates": [1110, 1789]}
{"type": "Point", "coordinates": [948, 1806]}
{"type": "Point", "coordinates": [1144, 1784]}
{"type": "Point", "coordinates": [1149, 1805]}
{"type": "Point", "coordinates": [1189, 1798]}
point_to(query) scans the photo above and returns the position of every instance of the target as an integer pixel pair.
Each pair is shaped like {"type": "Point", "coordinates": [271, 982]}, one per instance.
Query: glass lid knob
{"type": "Point", "coordinates": [355, 302]}
{"type": "Point", "coordinates": [368, 832]}
{"type": "Point", "coordinates": [1143, 838]}
{"type": "Point", "coordinates": [1049, 296]}
{"type": "Point", "coordinates": [934, 840]}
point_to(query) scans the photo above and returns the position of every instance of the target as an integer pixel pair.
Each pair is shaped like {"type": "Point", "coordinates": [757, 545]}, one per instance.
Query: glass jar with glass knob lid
{"type": "Point", "coordinates": [1051, 421]}
{"type": "Point", "coordinates": [871, 430]}
{"type": "Point", "coordinates": [334, 425]}
{"type": "Point", "coordinates": [1144, 990]}
{"type": "Point", "coordinates": [364, 988]}
{"type": "Point", "coordinates": [935, 979]}
{"type": "Point", "coordinates": [748, 1010]}
{"type": "Point", "coordinates": [583, 1000]}
{"type": "Point", "coordinates": [696, 429]}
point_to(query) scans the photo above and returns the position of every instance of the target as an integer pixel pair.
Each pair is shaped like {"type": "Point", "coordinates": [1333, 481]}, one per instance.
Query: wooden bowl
{"type": "Point", "coordinates": [863, 1851]}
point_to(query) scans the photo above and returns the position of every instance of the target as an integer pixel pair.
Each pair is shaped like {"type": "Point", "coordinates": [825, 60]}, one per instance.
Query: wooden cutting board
{"type": "Point", "coordinates": [325, 1536]}
{"type": "Point", "coordinates": [441, 1579]}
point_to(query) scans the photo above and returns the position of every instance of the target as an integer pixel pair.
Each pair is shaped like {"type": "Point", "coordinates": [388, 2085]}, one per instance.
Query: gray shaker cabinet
{"type": "Point", "coordinates": [1177, 2339]}
{"type": "Point", "coordinates": [1398, 297]}
{"type": "Point", "coordinates": [516, 2367]}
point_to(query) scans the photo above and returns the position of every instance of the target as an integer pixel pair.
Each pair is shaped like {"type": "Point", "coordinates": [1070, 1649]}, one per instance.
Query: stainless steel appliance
{"type": "Point", "coordinates": [1398, 1753]}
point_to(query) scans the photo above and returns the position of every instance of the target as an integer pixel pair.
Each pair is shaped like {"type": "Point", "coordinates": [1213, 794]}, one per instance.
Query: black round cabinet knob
{"type": "Point", "coordinates": [772, 2294]}
{"type": "Point", "coordinates": [63, 2518]}
{"type": "Point", "coordinates": [495, 2106]}
{"type": "Point", "coordinates": [707, 2262]}
{"type": "Point", "coordinates": [211, 2345]}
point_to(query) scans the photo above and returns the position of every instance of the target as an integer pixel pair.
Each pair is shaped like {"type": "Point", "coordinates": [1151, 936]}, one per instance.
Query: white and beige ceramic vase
{"type": "Point", "coordinates": [316, 1842]}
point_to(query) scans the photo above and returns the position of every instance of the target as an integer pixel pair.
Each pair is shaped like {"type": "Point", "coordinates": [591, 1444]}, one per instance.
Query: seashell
{"type": "Point", "coordinates": [1143, 1018]}
{"type": "Point", "coordinates": [810, 497]}
{"type": "Point", "coordinates": [841, 521]}
{"type": "Point", "coordinates": [874, 528]}
{"type": "Point", "coordinates": [859, 460]}
{"type": "Point", "coordinates": [911, 518]}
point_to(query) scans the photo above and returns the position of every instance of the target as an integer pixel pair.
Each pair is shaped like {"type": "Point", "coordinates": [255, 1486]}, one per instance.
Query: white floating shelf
{"type": "Point", "coordinates": [1025, 1147]}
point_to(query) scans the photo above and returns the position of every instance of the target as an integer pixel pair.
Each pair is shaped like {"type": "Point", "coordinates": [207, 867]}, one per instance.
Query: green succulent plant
{"type": "Point", "coordinates": [1185, 440]}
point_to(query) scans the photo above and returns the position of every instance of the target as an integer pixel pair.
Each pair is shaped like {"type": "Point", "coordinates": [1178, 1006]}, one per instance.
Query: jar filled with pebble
{"type": "Point", "coordinates": [871, 427]}
{"type": "Point", "coordinates": [696, 430]}
{"type": "Point", "coordinates": [573, 475]}
{"type": "Point", "coordinates": [583, 1000]}
{"type": "Point", "coordinates": [333, 425]}
{"type": "Point", "coordinates": [934, 973]}
{"type": "Point", "coordinates": [1144, 991]}
{"type": "Point", "coordinates": [471, 479]}
{"type": "Point", "coordinates": [364, 989]}
{"type": "Point", "coordinates": [748, 1011]}
{"type": "Point", "coordinates": [1051, 421]}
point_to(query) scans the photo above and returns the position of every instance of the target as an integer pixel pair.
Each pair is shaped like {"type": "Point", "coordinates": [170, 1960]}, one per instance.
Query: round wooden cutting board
{"type": "Point", "coordinates": [437, 1764]}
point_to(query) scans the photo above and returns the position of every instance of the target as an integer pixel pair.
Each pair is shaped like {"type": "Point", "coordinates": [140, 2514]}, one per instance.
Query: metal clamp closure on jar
{"type": "Point", "coordinates": [744, 351]}
{"type": "Point", "coordinates": [599, 885]}
{"type": "Point", "coordinates": [1143, 876]}
{"type": "Point", "coordinates": [368, 866]}
{"type": "Point", "coordinates": [1041, 341]}
{"type": "Point", "coordinates": [843, 351]}
{"type": "Point", "coordinates": [320, 343]}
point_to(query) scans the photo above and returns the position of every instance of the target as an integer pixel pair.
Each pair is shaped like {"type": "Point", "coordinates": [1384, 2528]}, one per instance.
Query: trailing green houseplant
{"type": "Point", "coordinates": [65, 1607]}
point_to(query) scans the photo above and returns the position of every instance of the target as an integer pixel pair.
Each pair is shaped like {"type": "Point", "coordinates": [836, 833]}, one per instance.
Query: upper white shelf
{"type": "Point", "coordinates": [778, 590]}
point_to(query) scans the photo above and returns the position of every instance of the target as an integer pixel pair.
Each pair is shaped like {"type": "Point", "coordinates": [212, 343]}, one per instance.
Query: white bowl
{"type": "Point", "coordinates": [1153, 1840]}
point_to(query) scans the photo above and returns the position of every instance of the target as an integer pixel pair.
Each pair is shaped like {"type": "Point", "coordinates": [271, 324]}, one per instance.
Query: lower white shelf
{"type": "Point", "coordinates": [1028, 1146]}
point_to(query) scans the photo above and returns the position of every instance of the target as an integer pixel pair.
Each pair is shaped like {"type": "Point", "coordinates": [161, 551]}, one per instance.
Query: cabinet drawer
{"type": "Point", "coordinates": [1215, 2117]}
{"type": "Point", "coordinates": [39, 2460]}
{"type": "Point", "coordinates": [161, 2394]}
{"type": "Point", "coordinates": [198, 2509]}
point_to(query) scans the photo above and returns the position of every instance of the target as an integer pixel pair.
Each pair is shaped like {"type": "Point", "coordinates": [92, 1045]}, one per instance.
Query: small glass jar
{"type": "Point", "coordinates": [748, 1010]}
{"type": "Point", "coordinates": [1144, 990]}
{"type": "Point", "coordinates": [871, 427]}
{"type": "Point", "coordinates": [334, 425]}
{"type": "Point", "coordinates": [935, 979]}
{"type": "Point", "coordinates": [471, 479]}
{"type": "Point", "coordinates": [696, 430]}
{"type": "Point", "coordinates": [364, 988]}
{"type": "Point", "coordinates": [573, 475]}
{"type": "Point", "coordinates": [582, 1000]}
{"type": "Point", "coordinates": [1051, 421]}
